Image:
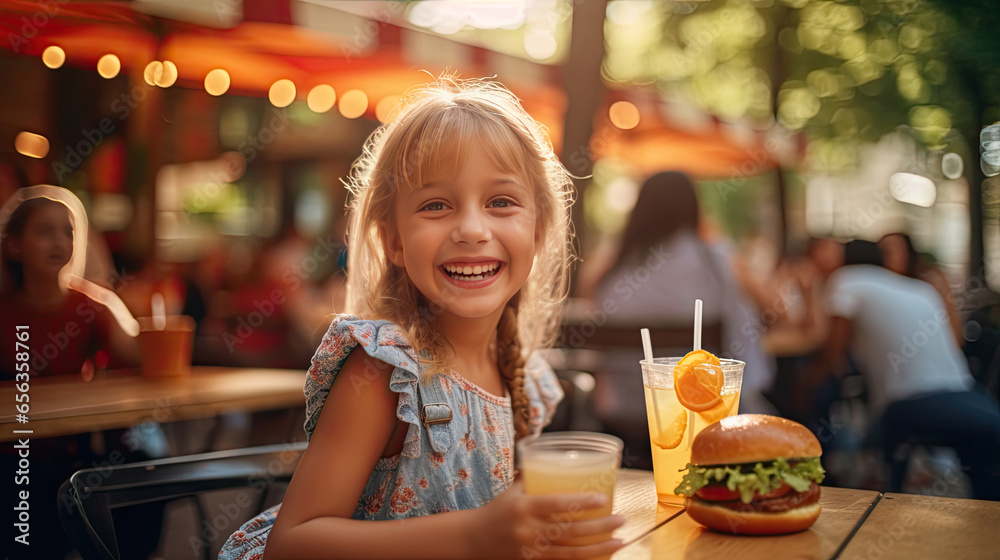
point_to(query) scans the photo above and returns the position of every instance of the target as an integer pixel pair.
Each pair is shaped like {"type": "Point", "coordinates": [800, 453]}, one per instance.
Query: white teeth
{"type": "Point", "coordinates": [467, 270]}
{"type": "Point", "coordinates": [472, 273]}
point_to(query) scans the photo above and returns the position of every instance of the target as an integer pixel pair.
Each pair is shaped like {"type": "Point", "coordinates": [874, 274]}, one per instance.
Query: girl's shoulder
{"type": "Point", "coordinates": [379, 338]}
{"type": "Point", "coordinates": [383, 340]}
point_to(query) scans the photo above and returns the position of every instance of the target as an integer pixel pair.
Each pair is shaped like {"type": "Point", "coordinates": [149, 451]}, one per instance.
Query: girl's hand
{"type": "Point", "coordinates": [518, 525]}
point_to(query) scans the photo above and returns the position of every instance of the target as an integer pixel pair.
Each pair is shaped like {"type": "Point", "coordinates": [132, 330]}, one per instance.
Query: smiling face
{"type": "Point", "coordinates": [466, 240]}
{"type": "Point", "coordinates": [45, 244]}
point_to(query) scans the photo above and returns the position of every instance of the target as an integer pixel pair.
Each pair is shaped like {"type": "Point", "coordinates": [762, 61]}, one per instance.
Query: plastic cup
{"type": "Point", "coordinates": [568, 463]}
{"type": "Point", "coordinates": [166, 352]}
{"type": "Point", "coordinates": [675, 427]}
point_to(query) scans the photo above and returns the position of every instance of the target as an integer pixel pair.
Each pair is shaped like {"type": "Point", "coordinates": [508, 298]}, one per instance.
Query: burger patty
{"type": "Point", "coordinates": [785, 502]}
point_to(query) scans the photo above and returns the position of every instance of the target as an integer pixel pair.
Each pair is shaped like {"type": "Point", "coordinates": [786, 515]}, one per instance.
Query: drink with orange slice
{"type": "Point", "coordinates": [683, 396]}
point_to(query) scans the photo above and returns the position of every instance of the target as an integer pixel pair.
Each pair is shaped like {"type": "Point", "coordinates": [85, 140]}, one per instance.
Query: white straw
{"type": "Point", "coordinates": [697, 324]}
{"type": "Point", "coordinates": [159, 312]}
{"type": "Point", "coordinates": [647, 349]}
{"type": "Point", "coordinates": [647, 346]}
{"type": "Point", "coordinates": [697, 346]}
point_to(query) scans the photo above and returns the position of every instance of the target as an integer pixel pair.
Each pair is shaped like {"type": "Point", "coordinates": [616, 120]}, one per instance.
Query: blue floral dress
{"type": "Point", "coordinates": [445, 465]}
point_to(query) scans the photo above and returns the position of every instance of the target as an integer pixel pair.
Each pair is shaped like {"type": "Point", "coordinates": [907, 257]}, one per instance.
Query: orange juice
{"type": "Point", "coordinates": [560, 463]}
{"type": "Point", "coordinates": [672, 427]}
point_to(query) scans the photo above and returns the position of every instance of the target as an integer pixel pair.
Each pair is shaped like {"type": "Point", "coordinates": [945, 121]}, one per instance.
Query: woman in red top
{"type": "Point", "coordinates": [44, 243]}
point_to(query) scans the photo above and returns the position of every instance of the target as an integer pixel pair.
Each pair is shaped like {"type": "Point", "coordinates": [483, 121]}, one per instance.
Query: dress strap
{"type": "Point", "coordinates": [435, 412]}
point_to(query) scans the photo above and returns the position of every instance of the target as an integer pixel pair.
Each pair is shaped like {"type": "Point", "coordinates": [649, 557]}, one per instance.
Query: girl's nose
{"type": "Point", "coordinates": [471, 227]}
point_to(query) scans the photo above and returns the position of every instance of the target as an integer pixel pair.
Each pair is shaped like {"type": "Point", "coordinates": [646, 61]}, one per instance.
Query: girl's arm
{"type": "Point", "coordinates": [354, 429]}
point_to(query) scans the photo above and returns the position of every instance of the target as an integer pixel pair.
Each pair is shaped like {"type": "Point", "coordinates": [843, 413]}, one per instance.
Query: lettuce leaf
{"type": "Point", "coordinates": [748, 479]}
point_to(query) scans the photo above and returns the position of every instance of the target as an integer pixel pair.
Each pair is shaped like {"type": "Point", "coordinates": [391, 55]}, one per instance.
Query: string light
{"type": "Point", "coordinates": [53, 56]}
{"type": "Point", "coordinates": [321, 98]}
{"type": "Point", "coordinates": [353, 103]}
{"type": "Point", "coordinates": [217, 82]}
{"type": "Point", "coordinates": [281, 93]}
{"type": "Point", "coordinates": [109, 66]}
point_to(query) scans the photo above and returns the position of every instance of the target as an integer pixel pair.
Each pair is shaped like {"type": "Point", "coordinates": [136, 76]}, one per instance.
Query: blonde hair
{"type": "Point", "coordinates": [430, 136]}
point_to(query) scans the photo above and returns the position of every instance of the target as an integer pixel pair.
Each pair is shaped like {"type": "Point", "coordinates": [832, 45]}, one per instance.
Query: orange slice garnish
{"type": "Point", "coordinates": [696, 357]}
{"type": "Point", "coordinates": [721, 410]}
{"type": "Point", "coordinates": [698, 388]}
{"type": "Point", "coordinates": [671, 436]}
{"type": "Point", "coordinates": [708, 365]}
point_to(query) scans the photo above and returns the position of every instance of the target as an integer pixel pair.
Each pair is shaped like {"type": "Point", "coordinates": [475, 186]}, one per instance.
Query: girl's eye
{"type": "Point", "coordinates": [433, 206]}
{"type": "Point", "coordinates": [501, 203]}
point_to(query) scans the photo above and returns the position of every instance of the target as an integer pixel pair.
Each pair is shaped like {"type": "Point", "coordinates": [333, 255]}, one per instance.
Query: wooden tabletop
{"type": "Point", "coordinates": [914, 526]}
{"type": "Point", "coordinates": [123, 398]}
{"type": "Point", "coordinates": [853, 521]}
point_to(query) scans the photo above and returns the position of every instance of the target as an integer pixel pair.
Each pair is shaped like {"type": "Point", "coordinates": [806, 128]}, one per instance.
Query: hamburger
{"type": "Point", "coordinates": [754, 474]}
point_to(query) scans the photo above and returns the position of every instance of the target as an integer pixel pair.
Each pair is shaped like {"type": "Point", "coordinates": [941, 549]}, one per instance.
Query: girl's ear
{"type": "Point", "coordinates": [392, 245]}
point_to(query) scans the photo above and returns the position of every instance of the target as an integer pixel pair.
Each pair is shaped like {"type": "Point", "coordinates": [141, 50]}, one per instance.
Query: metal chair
{"type": "Point", "coordinates": [87, 500]}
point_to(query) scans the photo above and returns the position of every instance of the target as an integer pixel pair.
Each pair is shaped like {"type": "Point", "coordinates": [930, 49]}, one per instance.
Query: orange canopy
{"type": "Point", "coordinates": [256, 54]}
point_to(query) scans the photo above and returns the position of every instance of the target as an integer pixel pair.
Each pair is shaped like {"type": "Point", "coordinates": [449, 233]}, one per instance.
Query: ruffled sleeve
{"type": "Point", "coordinates": [382, 340]}
{"type": "Point", "coordinates": [543, 390]}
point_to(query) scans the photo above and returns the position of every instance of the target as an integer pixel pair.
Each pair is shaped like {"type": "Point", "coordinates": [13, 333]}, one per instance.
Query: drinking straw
{"type": "Point", "coordinates": [159, 312]}
{"type": "Point", "coordinates": [697, 324]}
{"type": "Point", "coordinates": [647, 349]}
{"type": "Point", "coordinates": [697, 346]}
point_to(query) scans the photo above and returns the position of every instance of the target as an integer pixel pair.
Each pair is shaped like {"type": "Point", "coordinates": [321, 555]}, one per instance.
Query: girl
{"type": "Point", "coordinates": [43, 254]}
{"type": "Point", "coordinates": [459, 246]}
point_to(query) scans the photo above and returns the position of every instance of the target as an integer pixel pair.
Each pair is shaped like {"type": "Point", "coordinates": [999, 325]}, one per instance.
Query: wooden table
{"type": "Point", "coordinates": [914, 526]}
{"type": "Point", "coordinates": [123, 398]}
{"type": "Point", "coordinates": [854, 524]}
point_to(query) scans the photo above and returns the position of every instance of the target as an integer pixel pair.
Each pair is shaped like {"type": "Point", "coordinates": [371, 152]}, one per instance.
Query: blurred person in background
{"type": "Point", "coordinates": [896, 328]}
{"type": "Point", "coordinates": [900, 256]}
{"type": "Point", "coordinates": [44, 232]}
{"type": "Point", "coordinates": [44, 243]}
{"type": "Point", "coordinates": [249, 323]}
{"type": "Point", "coordinates": [796, 321]}
{"type": "Point", "coordinates": [661, 245]}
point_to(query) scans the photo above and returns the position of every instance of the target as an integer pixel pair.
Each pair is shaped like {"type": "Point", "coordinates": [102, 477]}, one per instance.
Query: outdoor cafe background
{"type": "Point", "coordinates": [208, 140]}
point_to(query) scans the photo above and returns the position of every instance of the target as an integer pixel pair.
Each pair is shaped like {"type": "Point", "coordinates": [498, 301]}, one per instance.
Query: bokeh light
{"type": "Point", "coordinates": [152, 71]}
{"type": "Point", "coordinates": [53, 56]}
{"type": "Point", "coordinates": [217, 82]}
{"type": "Point", "coordinates": [321, 98]}
{"type": "Point", "coordinates": [387, 108]}
{"type": "Point", "coordinates": [353, 103]}
{"type": "Point", "coordinates": [913, 189]}
{"type": "Point", "coordinates": [624, 115]}
{"type": "Point", "coordinates": [109, 66]}
{"type": "Point", "coordinates": [31, 145]}
{"type": "Point", "coordinates": [540, 46]}
{"type": "Point", "coordinates": [168, 75]}
{"type": "Point", "coordinates": [281, 93]}
{"type": "Point", "coordinates": [952, 165]}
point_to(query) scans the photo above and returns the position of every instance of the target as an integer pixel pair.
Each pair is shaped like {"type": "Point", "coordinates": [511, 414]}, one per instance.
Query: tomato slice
{"type": "Point", "coordinates": [717, 493]}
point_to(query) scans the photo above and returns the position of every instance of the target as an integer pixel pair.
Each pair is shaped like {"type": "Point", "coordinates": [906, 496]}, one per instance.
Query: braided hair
{"type": "Point", "coordinates": [510, 360]}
